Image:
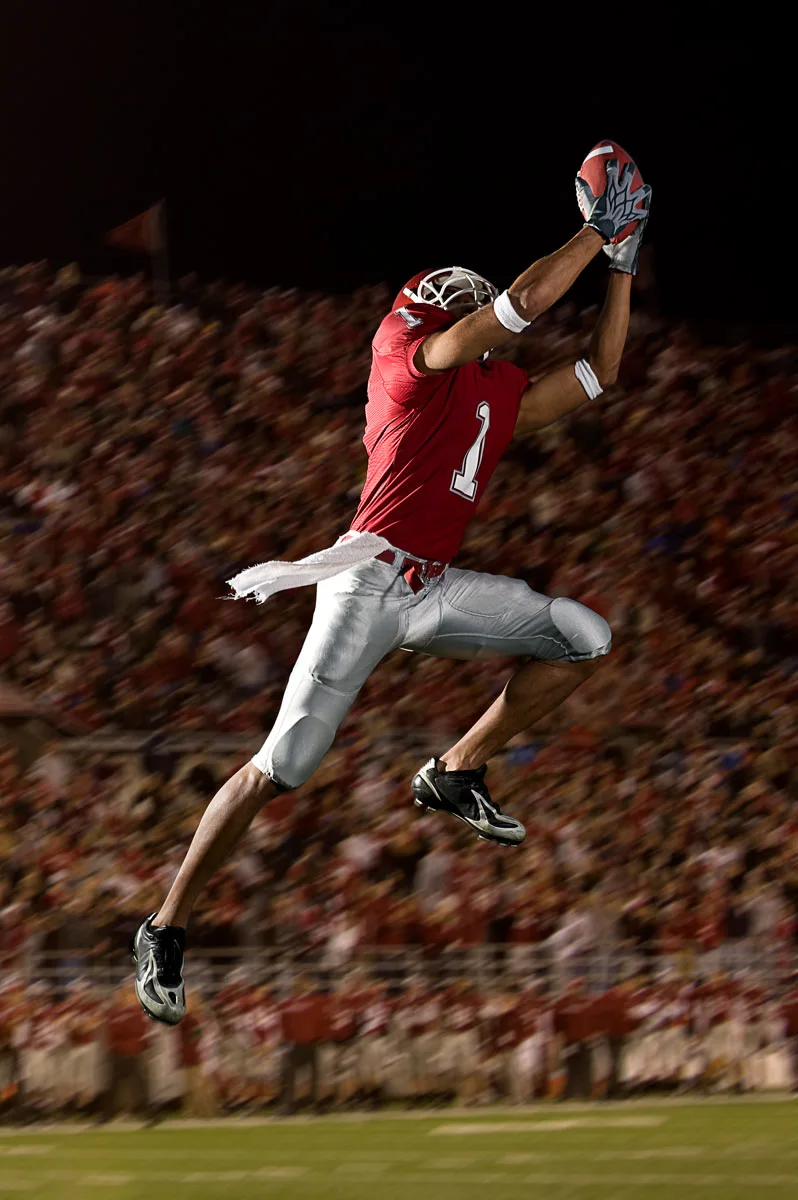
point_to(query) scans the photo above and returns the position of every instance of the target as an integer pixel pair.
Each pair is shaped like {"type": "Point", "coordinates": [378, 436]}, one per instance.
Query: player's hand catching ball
{"type": "Point", "coordinates": [618, 205]}
{"type": "Point", "coordinates": [623, 256]}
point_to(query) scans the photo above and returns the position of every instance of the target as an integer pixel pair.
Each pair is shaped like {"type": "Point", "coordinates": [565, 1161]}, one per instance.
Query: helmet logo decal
{"type": "Point", "coordinates": [408, 318]}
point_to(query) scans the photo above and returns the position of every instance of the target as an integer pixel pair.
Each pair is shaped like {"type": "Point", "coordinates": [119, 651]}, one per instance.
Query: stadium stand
{"type": "Point", "coordinates": [147, 453]}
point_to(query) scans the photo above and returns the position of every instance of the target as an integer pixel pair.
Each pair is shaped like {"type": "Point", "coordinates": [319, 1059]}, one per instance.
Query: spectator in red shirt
{"type": "Point", "coordinates": [615, 1022]}
{"type": "Point", "coordinates": [127, 1032]}
{"type": "Point", "coordinates": [577, 1022]}
{"type": "Point", "coordinates": [304, 1024]}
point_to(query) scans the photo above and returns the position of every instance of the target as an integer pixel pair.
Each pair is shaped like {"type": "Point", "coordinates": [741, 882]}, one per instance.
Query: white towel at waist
{"type": "Point", "coordinates": [259, 582]}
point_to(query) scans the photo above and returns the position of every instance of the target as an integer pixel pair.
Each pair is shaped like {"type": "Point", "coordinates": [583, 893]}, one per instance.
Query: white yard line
{"type": "Point", "coordinates": [25, 1151]}
{"type": "Point", "coordinates": [277, 1173]}
{"type": "Point", "coordinates": [466, 1129]}
{"type": "Point", "coordinates": [106, 1181]}
{"type": "Point", "coordinates": [216, 1177]}
{"type": "Point", "coordinates": [447, 1164]}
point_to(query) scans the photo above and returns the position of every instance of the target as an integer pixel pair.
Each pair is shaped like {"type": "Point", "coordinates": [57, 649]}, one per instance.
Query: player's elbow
{"type": "Point", "coordinates": [605, 370]}
{"type": "Point", "coordinates": [532, 301]}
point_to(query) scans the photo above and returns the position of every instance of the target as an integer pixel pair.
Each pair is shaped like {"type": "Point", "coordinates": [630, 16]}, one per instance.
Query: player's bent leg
{"type": "Point", "coordinates": [484, 616]}
{"type": "Point", "coordinates": [535, 689]}
{"type": "Point", "coordinates": [489, 616]}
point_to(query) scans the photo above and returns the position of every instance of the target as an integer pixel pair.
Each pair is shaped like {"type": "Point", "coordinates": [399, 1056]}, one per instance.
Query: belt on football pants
{"type": "Point", "coordinates": [417, 571]}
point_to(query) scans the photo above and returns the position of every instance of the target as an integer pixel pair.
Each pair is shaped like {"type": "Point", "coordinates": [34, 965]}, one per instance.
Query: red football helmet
{"type": "Point", "coordinates": [452, 288]}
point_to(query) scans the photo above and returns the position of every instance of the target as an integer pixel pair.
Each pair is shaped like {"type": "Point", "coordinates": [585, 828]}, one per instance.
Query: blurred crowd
{"type": "Point", "coordinates": [682, 858]}
{"type": "Point", "coordinates": [148, 452]}
{"type": "Point", "coordinates": [355, 1042]}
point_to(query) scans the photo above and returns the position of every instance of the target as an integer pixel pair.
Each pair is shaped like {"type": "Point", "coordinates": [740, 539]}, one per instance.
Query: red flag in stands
{"type": "Point", "coordinates": [142, 234]}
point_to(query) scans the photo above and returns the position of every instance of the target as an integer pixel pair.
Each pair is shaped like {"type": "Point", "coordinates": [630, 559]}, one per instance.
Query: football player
{"type": "Point", "coordinates": [441, 412]}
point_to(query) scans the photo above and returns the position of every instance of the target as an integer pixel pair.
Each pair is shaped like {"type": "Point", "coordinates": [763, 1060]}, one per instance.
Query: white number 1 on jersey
{"type": "Point", "coordinates": [464, 481]}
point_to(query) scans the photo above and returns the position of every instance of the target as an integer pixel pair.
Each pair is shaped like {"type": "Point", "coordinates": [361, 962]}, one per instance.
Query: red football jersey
{"type": "Point", "coordinates": [433, 441]}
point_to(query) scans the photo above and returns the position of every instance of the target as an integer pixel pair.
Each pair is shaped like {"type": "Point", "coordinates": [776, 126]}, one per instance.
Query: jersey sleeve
{"type": "Point", "coordinates": [394, 347]}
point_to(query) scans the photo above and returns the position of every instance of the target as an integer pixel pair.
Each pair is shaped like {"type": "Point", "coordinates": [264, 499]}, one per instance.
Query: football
{"type": "Point", "coordinates": [594, 172]}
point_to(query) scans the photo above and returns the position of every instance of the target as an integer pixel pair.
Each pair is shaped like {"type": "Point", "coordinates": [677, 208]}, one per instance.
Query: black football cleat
{"type": "Point", "coordinates": [158, 955]}
{"type": "Point", "coordinates": [465, 795]}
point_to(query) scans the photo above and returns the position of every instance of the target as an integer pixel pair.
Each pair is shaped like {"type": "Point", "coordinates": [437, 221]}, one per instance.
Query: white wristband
{"type": "Point", "coordinates": [586, 376]}
{"type": "Point", "coordinates": [506, 314]}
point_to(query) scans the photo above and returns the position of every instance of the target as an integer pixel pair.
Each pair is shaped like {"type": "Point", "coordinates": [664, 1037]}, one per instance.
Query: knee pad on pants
{"type": "Point", "coordinates": [304, 731]}
{"type": "Point", "coordinates": [586, 633]}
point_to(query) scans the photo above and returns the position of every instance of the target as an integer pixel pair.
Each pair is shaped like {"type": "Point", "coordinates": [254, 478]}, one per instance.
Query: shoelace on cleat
{"type": "Point", "coordinates": [167, 954]}
{"type": "Point", "coordinates": [479, 784]}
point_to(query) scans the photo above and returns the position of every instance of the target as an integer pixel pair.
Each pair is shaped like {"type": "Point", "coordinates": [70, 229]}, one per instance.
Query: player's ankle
{"type": "Point", "coordinates": [452, 761]}
{"type": "Point", "coordinates": [165, 917]}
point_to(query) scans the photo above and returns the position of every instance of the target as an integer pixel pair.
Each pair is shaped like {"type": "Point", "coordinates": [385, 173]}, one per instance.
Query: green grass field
{"type": "Point", "coordinates": [727, 1149]}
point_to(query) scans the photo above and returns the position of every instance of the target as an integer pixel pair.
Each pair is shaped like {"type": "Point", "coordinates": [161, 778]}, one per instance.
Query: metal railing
{"type": "Point", "coordinates": [488, 967]}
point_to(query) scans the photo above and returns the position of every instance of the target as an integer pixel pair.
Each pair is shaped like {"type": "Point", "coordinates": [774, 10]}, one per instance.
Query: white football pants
{"type": "Point", "coordinates": [369, 610]}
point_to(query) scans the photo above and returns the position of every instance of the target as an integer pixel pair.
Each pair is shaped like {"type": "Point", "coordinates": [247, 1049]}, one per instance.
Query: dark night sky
{"type": "Point", "coordinates": [324, 147]}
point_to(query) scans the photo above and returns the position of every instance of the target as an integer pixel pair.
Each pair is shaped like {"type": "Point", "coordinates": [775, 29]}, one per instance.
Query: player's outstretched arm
{"type": "Point", "coordinates": [568, 387]}
{"type": "Point", "coordinates": [540, 286]}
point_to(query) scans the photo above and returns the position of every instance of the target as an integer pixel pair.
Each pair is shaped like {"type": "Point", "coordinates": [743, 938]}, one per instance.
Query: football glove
{"type": "Point", "coordinates": [617, 205]}
{"type": "Point", "coordinates": [623, 257]}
